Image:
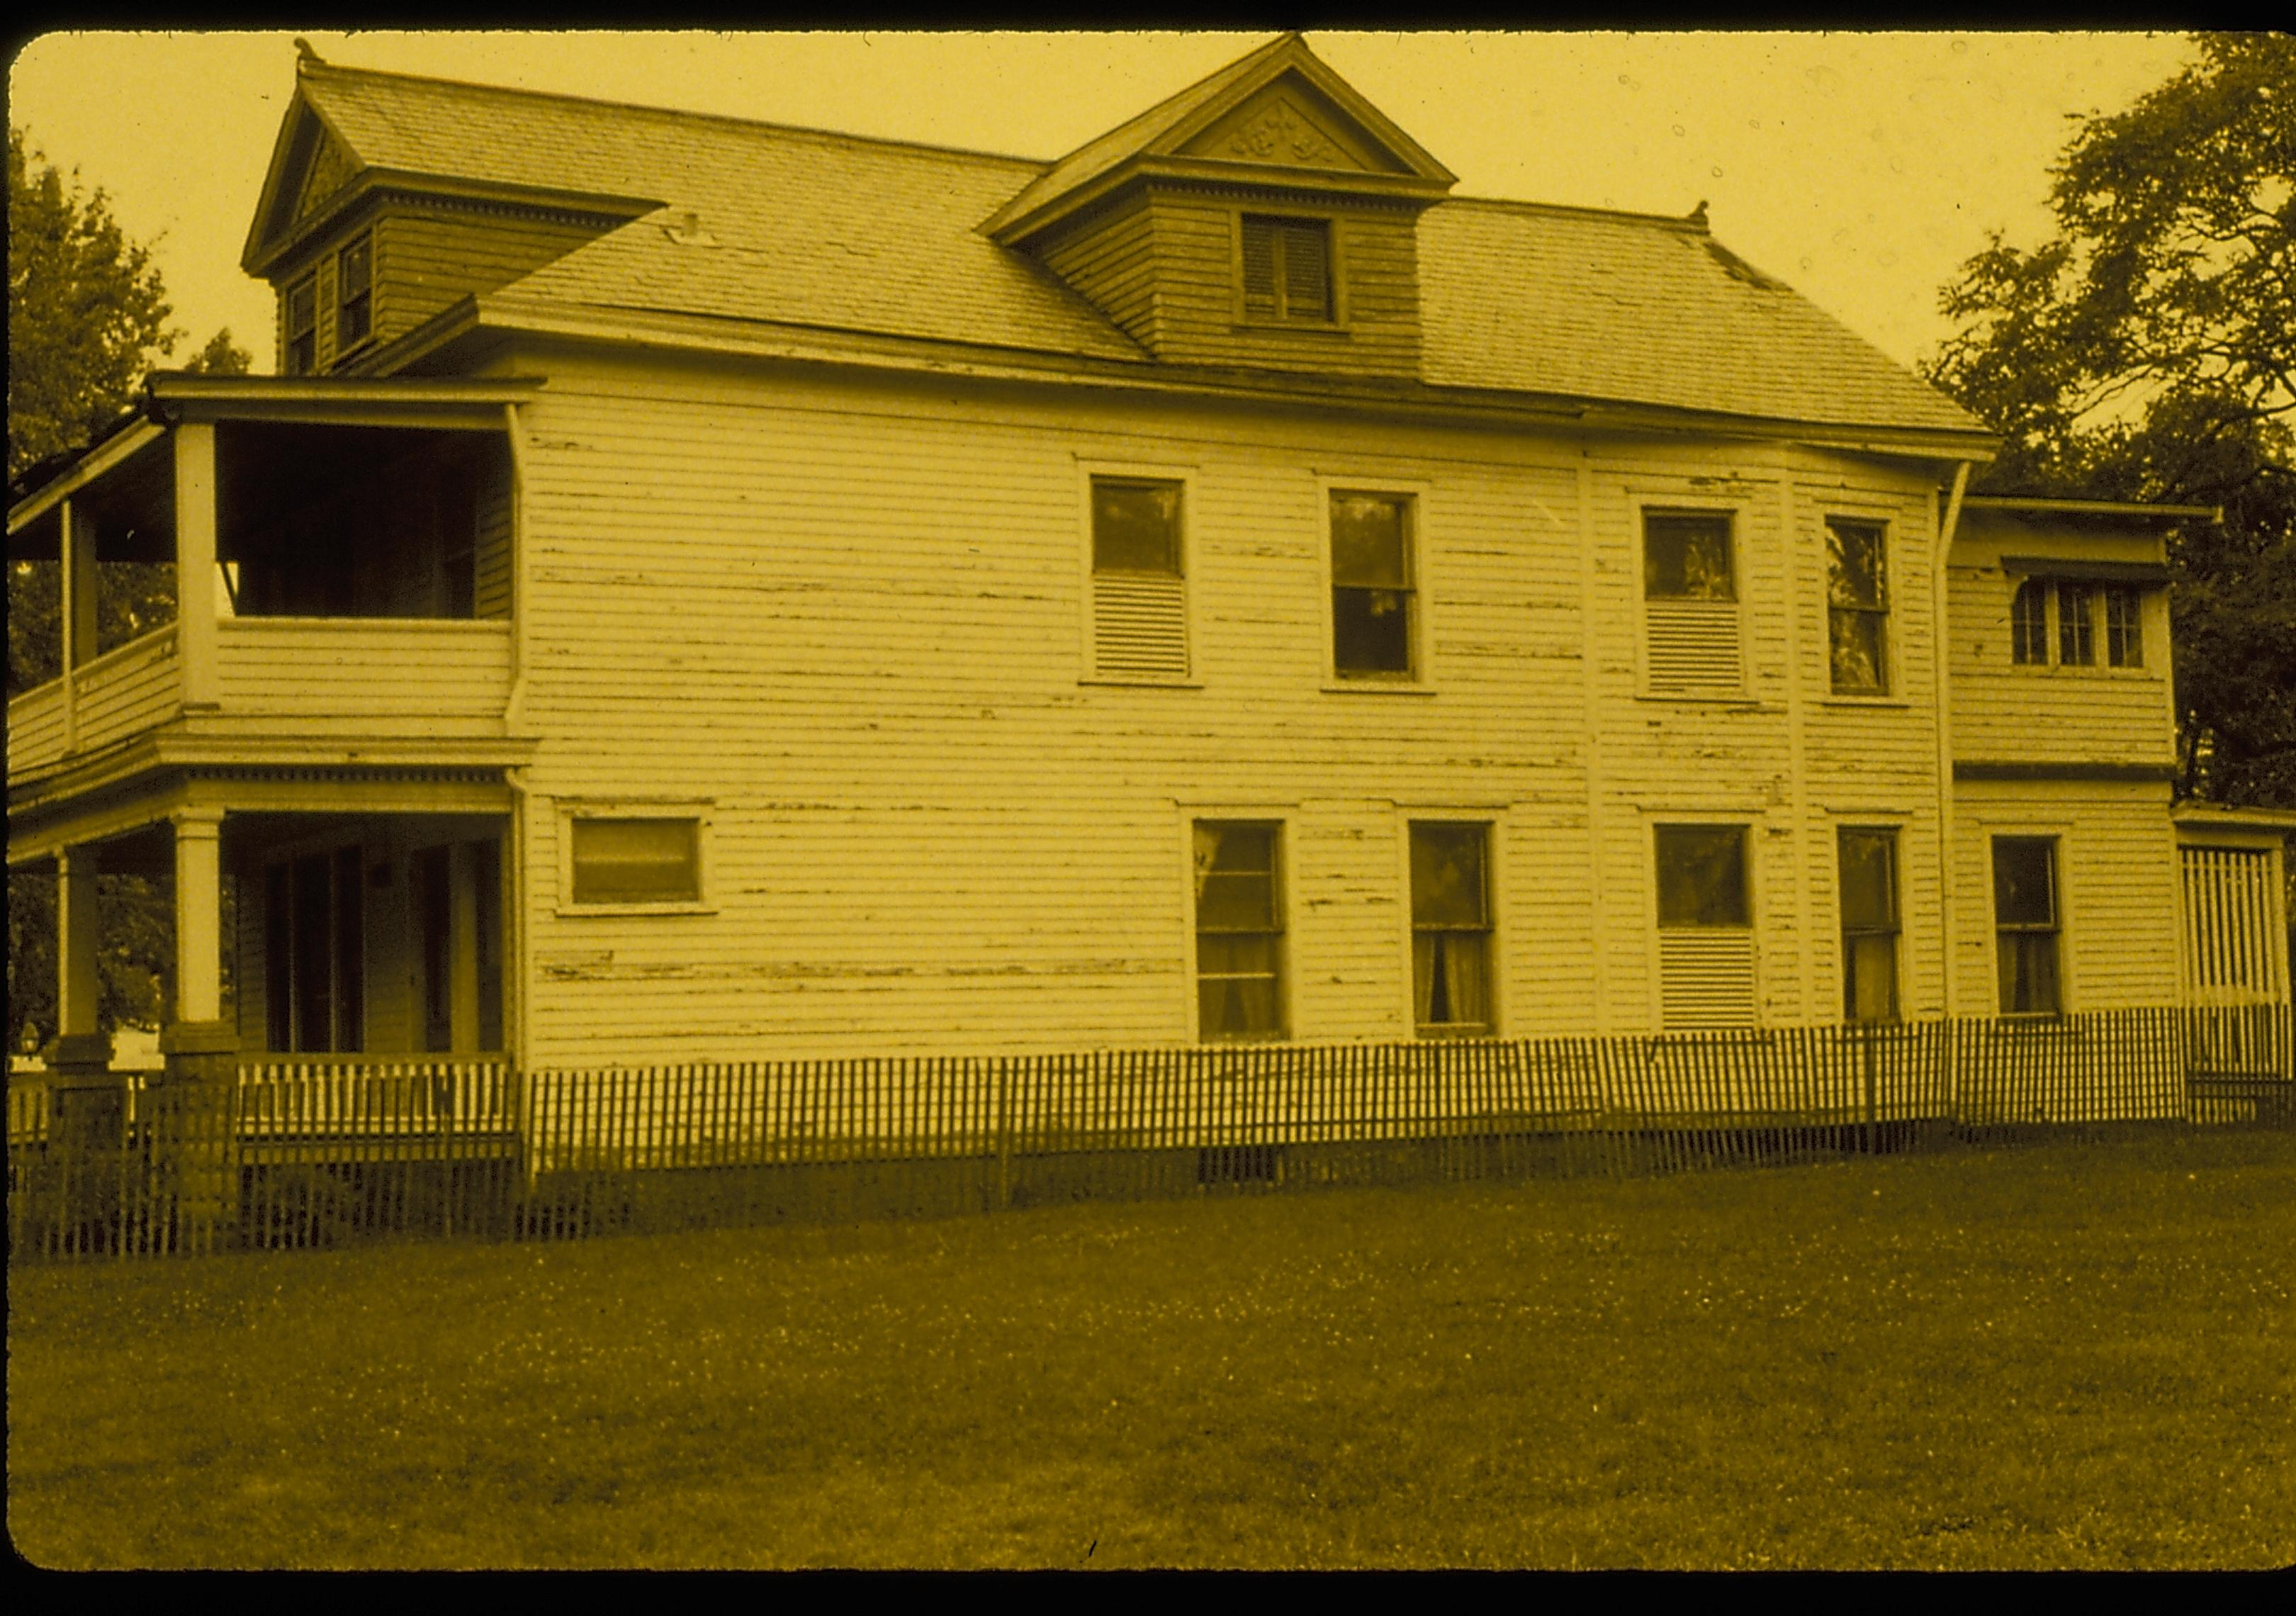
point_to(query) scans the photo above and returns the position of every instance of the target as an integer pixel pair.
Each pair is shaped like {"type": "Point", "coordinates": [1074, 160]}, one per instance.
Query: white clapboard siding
{"type": "Point", "coordinates": [127, 691]}
{"type": "Point", "coordinates": [1706, 977]}
{"type": "Point", "coordinates": [1140, 626]}
{"type": "Point", "coordinates": [1693, 645]}
{"type": "Point", "coordinates": [2232, 928]}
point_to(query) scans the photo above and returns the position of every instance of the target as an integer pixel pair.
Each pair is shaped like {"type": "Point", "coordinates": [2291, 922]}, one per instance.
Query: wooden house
{"type": "Point", "coordinates": [699, 589]}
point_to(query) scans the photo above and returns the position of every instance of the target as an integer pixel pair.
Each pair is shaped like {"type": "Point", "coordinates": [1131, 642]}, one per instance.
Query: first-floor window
{"type": "Point", "coordinates": [1705, 921]}
{"type": "Point", "coordinates": [315, 952]}
{"type": "Point", "coordinates": [2025, 918]}
{"type": "Point", "coordinates": [1451, 928]}
{"type": "Point", "coordinates": [636, 861]}
{"type": "Point", "coordinates": [1239, 930]}
{"type": "Point", "coordinates": [1869, 925]}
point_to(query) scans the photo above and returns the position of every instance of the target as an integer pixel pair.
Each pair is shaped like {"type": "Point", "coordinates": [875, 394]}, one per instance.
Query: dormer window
{"type": "Point", "coordinates": [302, 356]}
{"type": "Point", "coordinates": [355, 292]}
{"type": "Point", "coordinates": [1287, 269]}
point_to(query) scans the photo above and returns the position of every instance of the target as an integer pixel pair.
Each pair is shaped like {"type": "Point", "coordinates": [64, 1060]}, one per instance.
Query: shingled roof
{"type": "Point", "coordinates": [760, 221]}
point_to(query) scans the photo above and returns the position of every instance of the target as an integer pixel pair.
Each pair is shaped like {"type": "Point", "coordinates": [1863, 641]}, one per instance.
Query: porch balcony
{"type": "Point", "coordinates": [297, 573]}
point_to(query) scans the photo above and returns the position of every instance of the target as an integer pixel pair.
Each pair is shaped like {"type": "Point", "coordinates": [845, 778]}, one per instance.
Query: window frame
{"type": "Point", "coordinates": [1895, 930]}
{"type": "Point", "coordinates": [1418, 495]}
{"type": "Point", "coordinates": [2124, 641]}
{"type": "Point", "coordinates": [2038, 628]}
{"type": "Point", "coordinates": [1490, 823]}
{"type": "Point", "coordinates": [1335, 278]}
{"type": "Point", "coordinates": [307, 282]}
{"type": "Point", "coordinates": [2080, 630]}
{"type": "Point", "coordinates": [1192, 818]}
{"type": "Point", "coordinates": [346, 343]}
{"type": "Point", "coordinates": [1090, 471]}
{"type": "Point", "coordinates": [1643, 505]}
{"type": "Point", "coordinates": [698, 811]}
{"type": "Point", "coordinates": [1413, 589]}
{"type": "Point", "coordinates": [1885, 658]}
{"type": "Point", "coordinates": [2055, 838]}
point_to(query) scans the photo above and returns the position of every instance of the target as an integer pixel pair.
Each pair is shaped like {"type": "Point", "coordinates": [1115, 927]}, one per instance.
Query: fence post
{"type": "Point", "coordinates": [1004, 1068]}
{"type": "Point", "coordinates": [196, 1138]}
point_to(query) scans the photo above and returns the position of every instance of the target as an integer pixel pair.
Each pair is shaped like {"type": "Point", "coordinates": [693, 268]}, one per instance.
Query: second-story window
{"type": "Point", "coordinates": [2076, 625]}
{"type": "Point", "coordinates": [1287, 269]}
{"type": "Point", "coordinates": [1139, 595]}
{"type": "Point", "coordinates": [1451, 930]}
{"type": "Point", "coordinates": [1857, 608]}
{"type": "Point", "coordinates": [302, 322]}
{"type": "Point", "coordinates": [355, 292]}
{"type": "Point", "coordinates": [1374, 600]}
{"type": "Point", "coordinates": [2028, 623]}
{"type": "Point", "coordinates": [1239, 930]}
{"type": "Point", "coordinates": [2124, 628]}
{"type": "Point", "coordinates": [1690, 598]}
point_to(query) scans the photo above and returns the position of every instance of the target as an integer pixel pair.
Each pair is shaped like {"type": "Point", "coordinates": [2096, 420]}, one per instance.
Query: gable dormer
{"type": "Point", "coordinates": [1266, 216]}
{"type": "Point", "coordinates": [370, 225]}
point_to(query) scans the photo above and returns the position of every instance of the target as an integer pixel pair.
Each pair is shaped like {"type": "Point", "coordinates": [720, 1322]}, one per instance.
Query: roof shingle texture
{"type": "Point", "coordinates": [836, 232]}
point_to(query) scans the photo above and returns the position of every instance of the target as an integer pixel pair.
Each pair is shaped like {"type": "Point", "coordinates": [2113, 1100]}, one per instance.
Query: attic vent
{"type": "Point", "coordinates": [685, 229]}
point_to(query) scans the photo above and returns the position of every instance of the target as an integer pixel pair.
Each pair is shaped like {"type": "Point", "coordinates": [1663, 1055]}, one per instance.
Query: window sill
{"type": "Point", "coordinates": [583, 911]}
{"type": "Point", "coordinates": [2082, 671]}
{"type": "Point", "coordinates": [1377, 687]}
{"type": "Point", "coordinates": [1114, 683]}
{"type": "Point", "coordinates": [1898, 702]}
{"type": "Point", "coordinates": [1738, 699]}
{"type": "Point", "coordinates": [1306, 328]}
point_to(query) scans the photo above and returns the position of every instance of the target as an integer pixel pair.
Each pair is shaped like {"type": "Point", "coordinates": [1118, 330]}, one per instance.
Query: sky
{"type": "Point", "coordinates": [1862, 169]}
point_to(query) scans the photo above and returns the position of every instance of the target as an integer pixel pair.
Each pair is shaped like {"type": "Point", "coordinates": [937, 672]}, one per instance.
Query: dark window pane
{"type": "Point", "coordinates": [1447, 887]}
{"type": "Point", "coordinates": [636, 861]}
{"type": "Point", "coordinates": [1869, 881]}
{"type": "Point", "coordinates": [2076, 626]}
{"type": "Point", "coordinates": [1245, 954]}
{"type": "Point", "coordinates": [1370, 631]}
{"type": "Point", "coordinates": [2028, 973]}
{"type": "Point", "coordinates": [1702, 875]}
{"type": "Point", "coordinates": [1856, 640]}
{"type": "Point", "coordinates": [1853, 570]}
{"type": "Point", "coordinates": [1235, 903]}
{"type": "Point", "coordinates": [1451, 979]}
{"type": "Point", "coordinates": [2028, 622]}
{"type": "Point", "coordinates": [1688, 556]}
{"type": "Point", "coordinates": [2124, 628]}
{"type": "Point", "coordinates": [1135, 527]}
{"type": "Point", "coordinates": [1237, 1007]}
{"type": "Point", "coordinates": [2024, 887]}
{"type": "Point", "coordinates": [1370, 542]}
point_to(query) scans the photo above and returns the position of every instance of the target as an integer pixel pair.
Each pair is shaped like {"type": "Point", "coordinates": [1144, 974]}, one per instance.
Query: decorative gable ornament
{"type": "Point", "coordinates": [1284, 135]}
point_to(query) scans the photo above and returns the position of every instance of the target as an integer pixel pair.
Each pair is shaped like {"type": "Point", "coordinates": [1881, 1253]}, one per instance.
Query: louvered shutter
{"type": "Point", "coordinates": [1307, 271]}
{"type": "Point", "coordinates": [1694, 646]}
{"type": "Point", "coordinates": [1706, 977]}
{"type": "Point", "coordinates": [1260, 301]}
{"type": "Point", "coordinates": [1139, 626]}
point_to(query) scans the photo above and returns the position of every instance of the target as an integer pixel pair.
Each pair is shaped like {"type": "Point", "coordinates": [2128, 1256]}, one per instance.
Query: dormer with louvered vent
{"type": "Point", "coordinates": [1265, 218]}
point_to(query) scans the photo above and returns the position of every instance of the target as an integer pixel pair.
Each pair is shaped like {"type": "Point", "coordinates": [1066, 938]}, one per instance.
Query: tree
{"type": "Point", "coordinates": [2149, 353]}
{"type": "Point", "coordinates": [87, 319]}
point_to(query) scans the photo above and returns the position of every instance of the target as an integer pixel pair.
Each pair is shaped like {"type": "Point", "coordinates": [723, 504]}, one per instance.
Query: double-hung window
{"type": "Point", "coordinates": [1451, 929]}
{"type": "Point", "coordinates": [1690, 600]}
{"type": "Point", "coordinates": [1287, 269]}
{"type": "Point", "coordinates": [1858, 607]}
{"type": "Point", "coordinates": [2076, 625]}
{"type": "Point", "coordinates": [1869, 924]}
{"type": "Point", "coordinates": [1374, 594]}
{"type": "Point", "coordinates": [302, 322]}
{"type": "Point", "coordinates": [1139, 593]}
{"type": "Point", "coordinates": [1705, 921]}
{"type": "Point", "coordinates": [355, 292]}
{"type": "Point", "coordinates": [2028, 623]}
{"type": "Point", "coordinates": [2025, 924]}
{"type": "Point", "coordinates": [1239, 930]}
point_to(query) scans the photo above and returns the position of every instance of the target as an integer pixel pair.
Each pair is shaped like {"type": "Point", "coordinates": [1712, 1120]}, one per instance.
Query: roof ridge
{"type": "Point", "coordinates": [309, 69]}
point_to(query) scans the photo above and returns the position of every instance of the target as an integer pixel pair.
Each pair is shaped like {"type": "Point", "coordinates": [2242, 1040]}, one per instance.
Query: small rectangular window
{"type": "Point", "coordinates": [1690, 603]}
{"type": "Point", "coordinates": [636, 861]}
{"type": "Point", "coordinates": [1451, 929]}
{"type": "Point", "coordinates": [1373, 599]}
{"type": "Point", "coordinates": [2025, 919]}
{"type": "Point", "coordinates": [1858, 607]}
{"type": "Point", "coordinates": [354, 293]}
{"type": "Point", "coordinates": [1287, 269]}
{"type": "Point", "coordinates": [2124, 628]}
{"type": "Point", "coordinates": [1139, 597]}
{"type": "Point", "coordinates": [2076, 625]}
{"type": "Point", "coordinates": [2028, 623]}
{"type": "Point", "coordinates": [1869, 925]}
{"type": "Point", "coordinates": [1239, 930]}
{"type": "Point", "coordinates": [302, 322]}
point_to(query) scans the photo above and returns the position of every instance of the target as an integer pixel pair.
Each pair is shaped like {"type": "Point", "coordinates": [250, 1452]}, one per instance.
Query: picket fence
{"type": "Point", "coordinates": [320, 1150]}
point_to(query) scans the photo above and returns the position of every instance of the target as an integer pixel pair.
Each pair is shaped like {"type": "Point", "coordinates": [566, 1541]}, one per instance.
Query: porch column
{"type": "Point", "coordinates": [191, 1120]}
{"type": "Point", "coordinates": [76, 610]}
{"type": "Point", "coordinates": [196, 562]}
{"type": "Point", "coordinates": [87, 1104]}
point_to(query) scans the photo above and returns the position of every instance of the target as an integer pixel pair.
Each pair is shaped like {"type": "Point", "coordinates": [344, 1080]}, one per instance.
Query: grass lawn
{"type": "Point", "coordinates": [2065, 1356]}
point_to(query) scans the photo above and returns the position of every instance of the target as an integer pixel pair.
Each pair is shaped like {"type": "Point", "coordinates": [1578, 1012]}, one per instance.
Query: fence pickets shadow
{"type": "Point", "coordinates": [325, 1150]}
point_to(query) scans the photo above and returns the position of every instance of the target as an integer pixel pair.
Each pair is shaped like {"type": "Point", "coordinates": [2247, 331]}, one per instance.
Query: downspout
{"type": "Point", "coordinates": [1943, 640]}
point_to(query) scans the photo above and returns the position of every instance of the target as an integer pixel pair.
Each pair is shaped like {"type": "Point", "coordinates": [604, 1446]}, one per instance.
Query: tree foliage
{"type": "Point", "coordinates": [87, 319]}
{"type": "Point", "coordinates": [2148, 352]}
